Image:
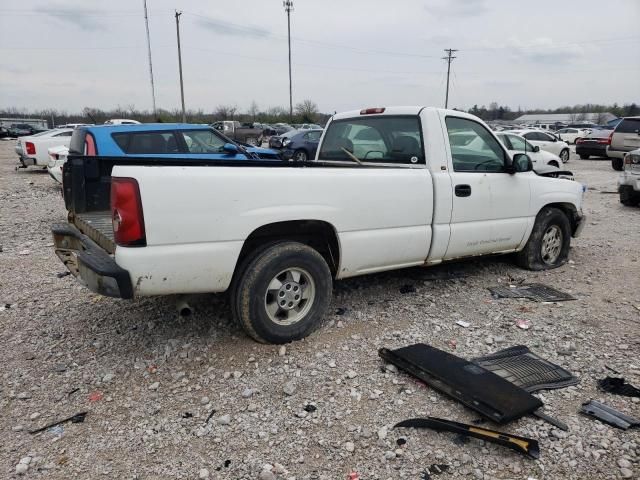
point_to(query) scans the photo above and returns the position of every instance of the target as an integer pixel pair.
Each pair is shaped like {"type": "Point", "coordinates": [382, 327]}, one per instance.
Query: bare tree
{"type": "Point", "coordinates": [225, 112]}
{"type": "Point", "coordinates": [307, 109]}
{"type": "Point", "coordinates": [254, 110]}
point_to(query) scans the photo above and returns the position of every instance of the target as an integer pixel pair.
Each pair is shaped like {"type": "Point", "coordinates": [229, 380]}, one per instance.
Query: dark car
{"type": "Point", "coordinates": [301, 146]}
{"type": "Point", "coordinates": [4, 132]}
{"type": "Point", "coordinates": [21, 130]}
{"type": "Point", "coordinates": [594, 144]}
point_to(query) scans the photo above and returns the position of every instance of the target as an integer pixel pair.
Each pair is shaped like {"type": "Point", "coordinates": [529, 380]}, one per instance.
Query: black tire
{"type": "Point", "coordinates": [250, 292]}
{"type": "Point", "coordinates": [531, 257]}
{"type": "Point", "coordinates": [300, 156]}
{"type": "Point", "coordinates": [617, 164]}
{"type": "Point", "coordinates": [565, 155]}
{"type": "Point", "coordinates": [584, 157]}
{"type": "Point", "coordinates": [629, 197]}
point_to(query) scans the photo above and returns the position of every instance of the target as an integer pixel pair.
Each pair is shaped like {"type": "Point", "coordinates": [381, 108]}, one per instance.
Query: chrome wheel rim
{"type": "Point", "coordinates": [289, 296]}
{"type": "Point", "coordinates": [564, 156]}
{"type": "Point", "coordinates": [551, 245]}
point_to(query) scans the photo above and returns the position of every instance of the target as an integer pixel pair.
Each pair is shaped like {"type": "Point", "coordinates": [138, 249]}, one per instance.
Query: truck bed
{"type": "Point", "coordinates": [98, 227]}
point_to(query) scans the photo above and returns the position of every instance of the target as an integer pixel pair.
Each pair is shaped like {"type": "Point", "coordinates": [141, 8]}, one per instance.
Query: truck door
{"type": "Point", "coordinates": [490, 206]}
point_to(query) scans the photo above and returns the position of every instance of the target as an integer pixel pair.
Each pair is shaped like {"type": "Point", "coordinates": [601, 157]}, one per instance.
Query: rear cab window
{"type": "Point", "coordinates": [162, 142]}
{"type": "Point", "coordinates": [395, 139]}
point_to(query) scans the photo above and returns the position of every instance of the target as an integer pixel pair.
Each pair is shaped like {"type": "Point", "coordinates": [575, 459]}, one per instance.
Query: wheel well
{"type": "Point", "coordinates": [317, 234]}
{"type": "Point", "coordinates": [569, 210]}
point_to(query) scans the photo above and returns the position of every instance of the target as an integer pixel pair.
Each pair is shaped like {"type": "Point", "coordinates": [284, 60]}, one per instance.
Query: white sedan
{"type": "Point", "coordinates": [545, 141]}
{"type": "Point", "coordinates": [33, 150]}
{"type": "Point", "coordinates": [517, 144]}
{"type": "Point", "coordinates": [572, 135]}
{"type": "Point", "coordinates": [57, 158]}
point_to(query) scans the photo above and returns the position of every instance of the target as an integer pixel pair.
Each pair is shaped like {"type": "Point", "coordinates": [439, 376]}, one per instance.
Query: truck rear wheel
{"type": "Point", "coordinates": [282, 293]}
{"type": "Point", "coordinates": [629, 197]}
{"type": "Point", "coordinates": [617, 164]}
{"type": "Point", "coordinates": [548, 244]}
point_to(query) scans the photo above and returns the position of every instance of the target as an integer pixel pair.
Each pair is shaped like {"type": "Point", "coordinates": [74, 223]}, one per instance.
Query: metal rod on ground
{"type": "Point", "coordinates": [184, 115]}
{"type": "Point", "coordinates": [153, 89]}
{"type": "Point", "coordinates": [448, 58]}
{"type": "Point", "coordinates": [288, 6]}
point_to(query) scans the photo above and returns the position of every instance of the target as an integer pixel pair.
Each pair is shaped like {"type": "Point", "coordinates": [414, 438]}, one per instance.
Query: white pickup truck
{"type": "Point", "coordinates": [389, 188]}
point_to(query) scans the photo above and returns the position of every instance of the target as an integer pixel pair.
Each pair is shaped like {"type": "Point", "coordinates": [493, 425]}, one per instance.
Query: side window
{"type": "Point", "coordinates": [203, 141]}
{"type": "Point", "coordinates": [146, 143]}
{"type": "Point", "coordinates": [64, 134]}
{"type": "Point", "coordinates": [382, 139]}
{"type": "Point", "coordinates": [520, 144]}
{"type": "Point", "coordinates": [628, 125]}
{"type": "Point", "coordinates": [482, 154]}
{"type": "Point", "coordinates": [313, 136]}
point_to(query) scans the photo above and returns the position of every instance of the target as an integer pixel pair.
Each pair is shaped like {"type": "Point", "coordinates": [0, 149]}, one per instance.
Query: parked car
{"type": "Point", "coordinates": [310, 126]}
{"type": "Point", "coordinates": [163, 140]}
{"type": "Point", "coordinates": [594, 144]}
{"type": "Point", "coordinates": [301, 145]}
{"type": "Point", "coordinates": [629, 180]}
{"type": "Point", "coordinates": [74, 125]}
{"type": "Point", "coordinates": [572, 135]}
{"type": "Point", "coordinates": [516, 143]}
{"type": "Point", "coordinates": [4, 132]}
{"type": "Point", "coordinates": [57, 159]}
{"type": "Point", "coordinates": [275, 236]}
{"type": "Point", "coordinates": [277, 141]}
{"type": "Point", "coordinates": [121, 121]}
{"type": "Point", "coordinates": [32, 150]}
{"type": "Point", "coordinates": [23, 129]}
{"type": "Point", "coordinates": [624, 138]}
{"type": "Point", "coordinates": [246, 133]}
{"type": "Point", "coordinates": [546, 141]}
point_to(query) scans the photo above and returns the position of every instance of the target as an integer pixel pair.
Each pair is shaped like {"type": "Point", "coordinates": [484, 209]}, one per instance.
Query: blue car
{"type": "Point", "coordinates": [159, 140]}
{"type": "Point", "coordinates": [300, 146]}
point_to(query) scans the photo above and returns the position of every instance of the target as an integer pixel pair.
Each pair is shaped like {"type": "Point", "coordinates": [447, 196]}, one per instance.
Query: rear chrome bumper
{"type": "Point", "coordinates": [90, 264]}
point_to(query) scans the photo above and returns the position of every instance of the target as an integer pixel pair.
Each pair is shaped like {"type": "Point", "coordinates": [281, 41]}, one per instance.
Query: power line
{"type": "Point", "coordinates": [449, 59]}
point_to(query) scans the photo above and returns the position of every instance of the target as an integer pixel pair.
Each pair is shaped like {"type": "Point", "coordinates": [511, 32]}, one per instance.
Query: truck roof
{"type": "Point", "coordinates": [147, 127]}
{"type": "Point", "coordinates": [395, 110]}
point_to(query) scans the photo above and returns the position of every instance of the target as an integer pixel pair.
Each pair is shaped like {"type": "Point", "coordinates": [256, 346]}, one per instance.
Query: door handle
{"type": "Point", "coordinates": [463, 190]}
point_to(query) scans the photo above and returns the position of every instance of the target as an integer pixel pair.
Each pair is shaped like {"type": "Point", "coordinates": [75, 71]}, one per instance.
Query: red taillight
{"type": "Point", "coordinates": [126, 212]}
{"type": "Point", "coordinates": [31, 148]}
{"type": "Point", "coordinates": [370, 111]}
{"type": "Point", "coordinates": [610, 137]}
{"type": "Point", "coordinates": [89, 145]}
{"type": "Point", "coordinates": [580, 140]}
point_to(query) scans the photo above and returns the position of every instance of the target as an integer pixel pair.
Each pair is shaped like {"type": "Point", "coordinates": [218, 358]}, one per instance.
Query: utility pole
{"type": "Point", "coordinates": [288, 6]}
{"type": "Point", "coordinates": [153, 89]}
{"type": "Point", "coordinates": [448, 58]}
{"type": "Point", "coordinates": [184, 115]}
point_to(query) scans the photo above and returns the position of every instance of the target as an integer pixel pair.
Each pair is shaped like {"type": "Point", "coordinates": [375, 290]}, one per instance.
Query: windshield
{"type": "Point", "coordinates": [383, 139]}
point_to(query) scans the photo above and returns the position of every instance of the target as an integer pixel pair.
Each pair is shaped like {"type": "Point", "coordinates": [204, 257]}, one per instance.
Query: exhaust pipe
{"type": "Point", "coordinates": [183, 307]}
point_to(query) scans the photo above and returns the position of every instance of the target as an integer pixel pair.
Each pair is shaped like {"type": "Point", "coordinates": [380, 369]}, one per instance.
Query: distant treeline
{"type": "Point", "coordinates": [304, 112]}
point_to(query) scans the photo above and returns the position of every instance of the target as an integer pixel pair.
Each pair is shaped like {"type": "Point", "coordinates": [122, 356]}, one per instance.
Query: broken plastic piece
{"type": "Point", "coordinates": [533, 291]}
{"type": "Point", "coordinates": [549, 419]}
{"type": "Point", "coordinates": [407, 289]}
{"type": "Point", "coordinates": [77, 418]}
{"type": "Point", "coordinates": [618, 386]}
{"type": "Point", "coordinates": [434, 469]}
{"type": "Point", "coordinates": [521, 366]}
{"type": "Point", "coordinates": [523, 445]}
{"type": "Point", "coordinates": [477, 388]}
{"type": "Point", "coordinates": [608, 415]}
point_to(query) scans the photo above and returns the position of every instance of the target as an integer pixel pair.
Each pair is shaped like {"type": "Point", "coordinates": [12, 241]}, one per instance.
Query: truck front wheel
{"type": "Point", "coordinates": [282, 293]}
{"type": "Point", "coordinates": [548, 245]}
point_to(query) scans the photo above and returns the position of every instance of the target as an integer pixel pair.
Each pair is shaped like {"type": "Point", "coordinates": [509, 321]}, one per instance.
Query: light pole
{"type": "Point", "coordinates": [288, 7]}
{"type": "Point", "coordinates": [184, 115]}
{"type": "Point", "coordinates": [153, 89]}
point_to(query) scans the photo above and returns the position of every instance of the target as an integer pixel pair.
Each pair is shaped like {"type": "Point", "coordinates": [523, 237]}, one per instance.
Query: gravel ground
{"type": "Point", "coordinates": [321, 408]}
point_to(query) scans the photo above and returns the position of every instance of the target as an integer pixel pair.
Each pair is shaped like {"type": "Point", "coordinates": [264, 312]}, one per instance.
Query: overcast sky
{"type": "Point", "coordinates": [68, 54]}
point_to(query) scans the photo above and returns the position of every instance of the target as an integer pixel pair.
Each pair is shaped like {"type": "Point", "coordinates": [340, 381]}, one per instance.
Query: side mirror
{"type": "Point", "coordinates": [230, 148]}
{"type": "Point", "coordinates": [522, 163]}
{"type": "Point", "coordinates": [536, 148]}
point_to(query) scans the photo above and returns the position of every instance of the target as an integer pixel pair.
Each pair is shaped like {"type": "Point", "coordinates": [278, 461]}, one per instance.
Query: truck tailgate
{"type": "Point", "coordinates": [98, 227]}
